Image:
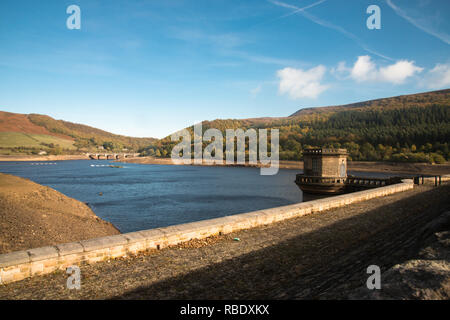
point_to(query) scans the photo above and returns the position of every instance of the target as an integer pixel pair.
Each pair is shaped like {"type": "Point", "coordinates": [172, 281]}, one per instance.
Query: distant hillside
{"type": "Point", "coordinates": [426, 99]}
{"type": "Point", "coordinates": [32, 133]}
{"type": "Point", "coordinates": [412, 128]}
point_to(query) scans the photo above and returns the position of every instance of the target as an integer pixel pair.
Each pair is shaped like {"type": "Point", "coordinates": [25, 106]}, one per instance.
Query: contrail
{"type": "Point", "coordinates": [326, 24]}
{"type": "Point", "coordinates": [296, 9]}
{"type": "Point", "coordinates": [401, 13]}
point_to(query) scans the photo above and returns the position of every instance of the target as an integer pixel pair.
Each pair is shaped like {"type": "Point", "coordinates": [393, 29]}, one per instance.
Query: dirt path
{"type": "Point", "coordinates": [321, 255]}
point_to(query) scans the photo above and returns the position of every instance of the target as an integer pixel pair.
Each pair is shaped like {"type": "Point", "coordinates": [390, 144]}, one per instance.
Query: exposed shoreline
{"type": "Point", "coordinates": [32, 215]}
{"type": "Point", "coordinates": [365, 166]}
{"type": "Point", "coordinates": [19, 158]}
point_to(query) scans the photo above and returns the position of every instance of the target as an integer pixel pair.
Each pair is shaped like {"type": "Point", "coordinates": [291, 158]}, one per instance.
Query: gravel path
{"type": "Point", "coordinates": [323, 255]}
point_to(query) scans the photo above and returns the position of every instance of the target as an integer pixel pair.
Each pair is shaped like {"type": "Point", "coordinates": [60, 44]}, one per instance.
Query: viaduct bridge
{"type": "Point", "coordinates": [111, 156]}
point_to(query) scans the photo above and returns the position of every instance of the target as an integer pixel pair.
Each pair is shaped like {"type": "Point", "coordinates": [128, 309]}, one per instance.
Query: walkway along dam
{"type": "Point", "coordinates": [19, 265]}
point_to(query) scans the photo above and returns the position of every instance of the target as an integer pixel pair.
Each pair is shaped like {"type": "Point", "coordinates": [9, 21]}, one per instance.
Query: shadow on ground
{"type": "Point", "coordinates": [325, 263]}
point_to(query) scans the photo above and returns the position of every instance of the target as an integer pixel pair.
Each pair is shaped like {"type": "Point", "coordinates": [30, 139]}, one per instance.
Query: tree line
{"type": "Point", "coordinates": [413, 134]}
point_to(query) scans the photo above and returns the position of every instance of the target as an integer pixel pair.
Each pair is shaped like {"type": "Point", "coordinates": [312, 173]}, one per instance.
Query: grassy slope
{"type": "Point", "coordinates": [31, 140]}
{"type": "Point", "coordinates": [83, 133]}
{"type": "Point", "coordinates": [29, 131]}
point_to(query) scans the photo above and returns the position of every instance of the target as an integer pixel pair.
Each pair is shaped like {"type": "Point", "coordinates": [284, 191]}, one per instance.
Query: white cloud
{"type": "Point", "coordinates": [298, 83]}
{"type": "Point", "coordinates": [365, 69]}
{"type": "Point", "coordinates": [341, 72]}
{"type": "Point", "coordinates": [438, 77]}
{"type": "Point", "coordinates": [398, 72]}
{"type": "Point", "coordinates": [342, 67]}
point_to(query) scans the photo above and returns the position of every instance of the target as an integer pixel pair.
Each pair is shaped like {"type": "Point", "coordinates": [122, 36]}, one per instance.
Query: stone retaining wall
{"type": "Point", "coordinates": [19, 265]}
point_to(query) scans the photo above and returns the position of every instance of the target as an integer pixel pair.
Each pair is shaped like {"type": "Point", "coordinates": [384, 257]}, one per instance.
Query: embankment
{"type": "Point", "coordinates": [32, 215]}
{"type": "Point", "coordinates": [22, 264]}
{"type": "Point", "coordinates": [315, 256]}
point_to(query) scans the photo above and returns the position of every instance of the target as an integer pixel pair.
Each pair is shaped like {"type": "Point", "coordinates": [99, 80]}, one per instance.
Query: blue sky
{"type": "Point", "coordinates": [149, 68]}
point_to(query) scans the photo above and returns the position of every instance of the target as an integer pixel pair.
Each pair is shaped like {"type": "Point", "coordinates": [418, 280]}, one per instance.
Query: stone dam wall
{"type": "Point", "coordinates": [19, 265]}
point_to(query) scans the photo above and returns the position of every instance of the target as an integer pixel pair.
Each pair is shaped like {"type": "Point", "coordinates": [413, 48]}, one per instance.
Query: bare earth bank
{"type": "Point", "coordinates": [42, 158]}
{"type": "Point", "coordinates": [368, 166]}
{"type": "Point", "coordinates": [32, 215]}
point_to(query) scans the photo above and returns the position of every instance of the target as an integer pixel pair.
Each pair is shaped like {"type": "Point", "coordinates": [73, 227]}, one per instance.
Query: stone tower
{"type": "Point", "coordinates": [329, 163]}
{"type": "Point", "coordinates": [324, 171]}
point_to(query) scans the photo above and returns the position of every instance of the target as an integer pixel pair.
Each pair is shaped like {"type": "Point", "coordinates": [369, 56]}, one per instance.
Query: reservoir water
{"type": "Point", "coordinates": [138, 197]}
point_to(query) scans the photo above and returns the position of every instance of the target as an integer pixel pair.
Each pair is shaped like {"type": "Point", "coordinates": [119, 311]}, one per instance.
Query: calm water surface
{"type": "Point", "coordinates": [139, 197]}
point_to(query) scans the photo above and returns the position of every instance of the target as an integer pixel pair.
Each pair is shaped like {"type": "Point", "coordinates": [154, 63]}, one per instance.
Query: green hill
{"type": "Point", "coordinates": [426, 99]}
{"type": "Point", "coordinates": [405, 128]}
{"type": "Point", "coordinates": [32, 133]}
{"type": "Point", "coordinates": [412, 128]}
{"type": "Point", "coordinates": [87, 137]}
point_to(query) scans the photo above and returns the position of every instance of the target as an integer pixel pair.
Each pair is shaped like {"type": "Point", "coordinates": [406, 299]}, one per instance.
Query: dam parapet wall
{"type": "Point", "coordinates": [19, 265]}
